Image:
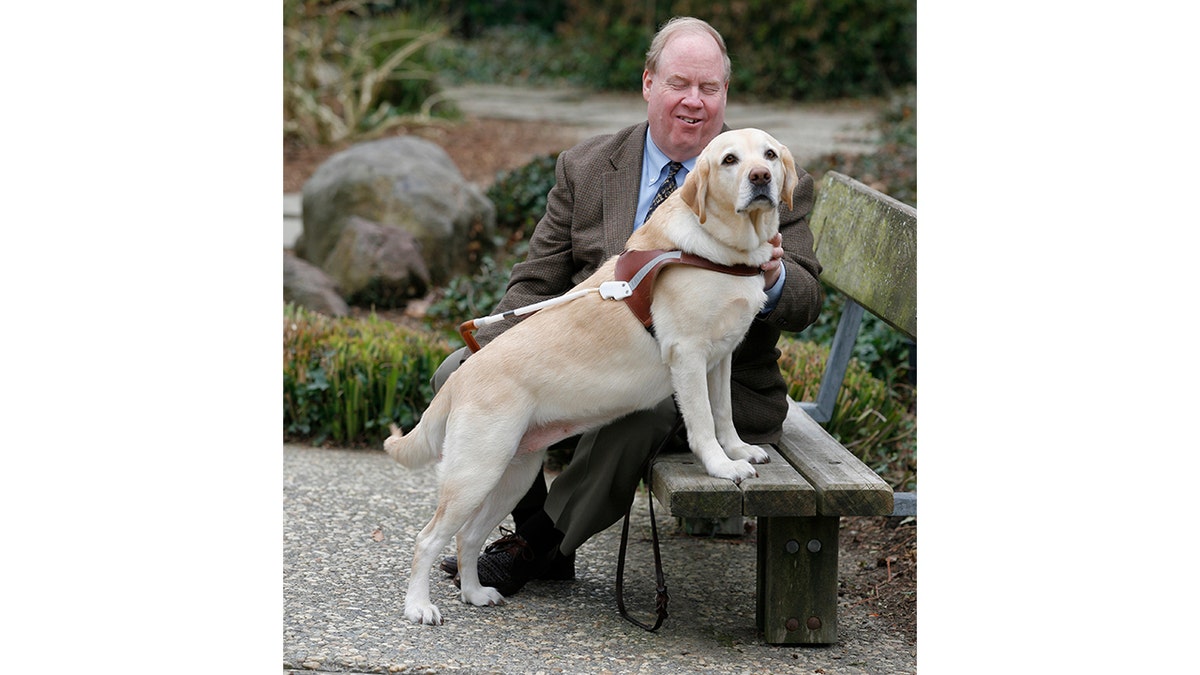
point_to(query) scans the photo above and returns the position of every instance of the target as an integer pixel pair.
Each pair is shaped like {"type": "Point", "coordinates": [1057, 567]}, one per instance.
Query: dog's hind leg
{"type": "Point", "coordinates": [456, 506]}
{"type": "Point", "coordinates": [500, 501]}
{"type": "Point", "coordinates": [460, 497]}
{"type": "Point", "coordinates": [476, 453]}
{"type": "Point", "coordinates": [417, 606]}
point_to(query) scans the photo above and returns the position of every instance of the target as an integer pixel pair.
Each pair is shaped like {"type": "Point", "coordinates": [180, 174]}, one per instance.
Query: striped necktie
{"type": "Point", "coordinates": [665, 189]}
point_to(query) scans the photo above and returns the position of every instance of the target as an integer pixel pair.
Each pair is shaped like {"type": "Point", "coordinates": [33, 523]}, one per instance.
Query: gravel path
{"type": "Point", "coordinates": [350, 518]}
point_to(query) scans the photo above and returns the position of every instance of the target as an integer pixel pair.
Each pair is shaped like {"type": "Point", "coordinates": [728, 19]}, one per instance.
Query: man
{"type": "Point", "coordinates": [604, 188]}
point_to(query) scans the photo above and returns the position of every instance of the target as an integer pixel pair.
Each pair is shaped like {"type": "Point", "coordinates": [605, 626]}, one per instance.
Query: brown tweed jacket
{"type": "Point", "coordinates": [589, 215]}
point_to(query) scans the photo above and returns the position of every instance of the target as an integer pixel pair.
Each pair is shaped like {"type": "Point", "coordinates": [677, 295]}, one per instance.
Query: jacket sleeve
{"type": "Point", "coordinates": [802, 296]}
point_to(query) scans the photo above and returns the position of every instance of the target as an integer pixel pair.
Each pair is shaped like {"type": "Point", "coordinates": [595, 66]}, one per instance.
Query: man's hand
{"type": "Point", "coordinates": [771, 267]}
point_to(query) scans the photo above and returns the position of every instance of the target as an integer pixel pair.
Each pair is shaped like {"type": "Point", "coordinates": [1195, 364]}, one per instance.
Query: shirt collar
{"type": "Point", "coordinates": [653, 161]}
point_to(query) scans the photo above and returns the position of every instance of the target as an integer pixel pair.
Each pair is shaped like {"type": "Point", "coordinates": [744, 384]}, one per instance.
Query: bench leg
{"type": "Point", "coordinates": [797, 579]}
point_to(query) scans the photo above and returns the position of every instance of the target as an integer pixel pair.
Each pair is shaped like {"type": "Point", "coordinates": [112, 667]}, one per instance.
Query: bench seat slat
{"type": "Point", "coordinates": [686, 491]}
{"type": "Point", "coordinates": [845, 486]}
{"type": "Point", "coordinates": [683, 488]}
{"type": "Point", "coordinates": [778, 490]}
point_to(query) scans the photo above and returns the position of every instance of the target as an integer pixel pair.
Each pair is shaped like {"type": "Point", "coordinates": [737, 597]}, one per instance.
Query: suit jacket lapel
{"type": "Point", "coordinates": [621, 187]}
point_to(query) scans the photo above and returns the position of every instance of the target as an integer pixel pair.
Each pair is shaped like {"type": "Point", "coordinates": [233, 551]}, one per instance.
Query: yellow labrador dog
{"type": "Point", "coordinates": [586, 362]}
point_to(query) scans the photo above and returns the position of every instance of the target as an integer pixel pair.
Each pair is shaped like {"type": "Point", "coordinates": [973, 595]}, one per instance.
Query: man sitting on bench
{"type": "Point", "coordinates": [591, 211]}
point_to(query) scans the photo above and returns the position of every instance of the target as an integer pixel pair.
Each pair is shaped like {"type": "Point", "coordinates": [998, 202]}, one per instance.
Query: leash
{"type": "Point", "coordinates": [609, 290]}
{"type": "Point", "coordinates": [633, 268]}
{"type": "Point", "coordinates": [661, 597]}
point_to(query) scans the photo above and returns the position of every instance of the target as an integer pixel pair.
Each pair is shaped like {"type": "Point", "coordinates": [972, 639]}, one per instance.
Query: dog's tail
{"type": "Point", "coordinates": [423, 445]}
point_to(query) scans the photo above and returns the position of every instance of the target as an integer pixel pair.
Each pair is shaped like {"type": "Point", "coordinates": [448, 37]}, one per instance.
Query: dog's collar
{"type": "Point", "coordinates": [640, 268]}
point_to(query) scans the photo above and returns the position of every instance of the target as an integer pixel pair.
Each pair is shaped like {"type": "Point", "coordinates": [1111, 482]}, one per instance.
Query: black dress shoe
{"type": "Point", "coordinates": [508, 563]}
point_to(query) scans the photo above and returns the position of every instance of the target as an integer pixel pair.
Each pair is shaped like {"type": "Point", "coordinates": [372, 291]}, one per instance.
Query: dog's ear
{"type": "Point", "coordinates": [790, 177]}
{"type": "Point", "coordinates": [695, 188]}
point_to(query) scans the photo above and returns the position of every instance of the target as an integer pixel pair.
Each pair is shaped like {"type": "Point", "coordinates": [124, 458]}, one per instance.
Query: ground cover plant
{"type": "Point", "coordinates": [346, 379]}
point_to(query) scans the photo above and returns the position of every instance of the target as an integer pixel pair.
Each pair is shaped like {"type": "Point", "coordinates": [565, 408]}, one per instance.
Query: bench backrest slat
{"type": "Point", "coordinates": [867, 244]}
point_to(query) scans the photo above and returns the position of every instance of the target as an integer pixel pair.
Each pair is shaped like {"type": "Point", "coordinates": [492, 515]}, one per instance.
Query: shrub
{"type": "Point", "coordinates": [347, 75]}
{"type": "Point", "coordinates": [800, 50]}
{"type": "Point", "coordinates": [470, 296]}
{"type": "Point", "coordinates": [869, 417]}
{"type": "Point", "coordinates": [881, 349]}
{"type": "Point", "coordinates": [520, 199]}
{"type": "Point", "coordinates": [512, 55]}
{"type": "Point", "coordinates": [345, 380]}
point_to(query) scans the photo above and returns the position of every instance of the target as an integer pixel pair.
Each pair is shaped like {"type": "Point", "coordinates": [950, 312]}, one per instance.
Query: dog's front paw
{"type": "Point", "coordinates": [484, 596]}
{"type": "Point", "coordinates": [750, 453]}
{"type": "Point", "coordinates": [734, 470]}
{"type": "Point", "coordinates": [423, 612]}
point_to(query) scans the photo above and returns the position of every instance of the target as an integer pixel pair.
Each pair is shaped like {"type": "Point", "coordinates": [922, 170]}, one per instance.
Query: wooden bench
{"type": "Point", "coordinates": [866, 242]}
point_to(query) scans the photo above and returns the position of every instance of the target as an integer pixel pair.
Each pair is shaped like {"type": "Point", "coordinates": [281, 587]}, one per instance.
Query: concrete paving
{"type": "Point", "coordinates": [349, 521]}
{"type": "Point", "coordinates": [809, 130]}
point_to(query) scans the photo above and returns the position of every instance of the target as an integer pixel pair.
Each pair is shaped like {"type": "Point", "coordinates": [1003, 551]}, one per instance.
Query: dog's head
{"type": "Point", "coordinates": [744, 172]}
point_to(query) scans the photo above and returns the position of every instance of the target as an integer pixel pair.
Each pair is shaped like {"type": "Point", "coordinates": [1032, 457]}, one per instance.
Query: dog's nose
{"type": "Point", "coordinates": [760, 176]}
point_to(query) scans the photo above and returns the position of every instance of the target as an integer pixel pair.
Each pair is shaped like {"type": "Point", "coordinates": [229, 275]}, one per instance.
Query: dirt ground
{"type": "Point", "coordinates": [479, 148]}
{"type": "Point", "coordinates": [879, 554]}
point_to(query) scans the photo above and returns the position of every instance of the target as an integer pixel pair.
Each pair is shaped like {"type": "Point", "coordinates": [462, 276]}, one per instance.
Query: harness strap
{"type": "Point", "coordinates": [633, 268]}
{"type": "Point", "coordinates": [637, 267]}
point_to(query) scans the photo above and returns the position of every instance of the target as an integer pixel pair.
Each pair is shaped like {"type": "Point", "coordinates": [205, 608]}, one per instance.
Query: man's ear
{"type": "Point", "coordinates": [695, 188]}
{"type": "Point", "coordinates": [790, 177]}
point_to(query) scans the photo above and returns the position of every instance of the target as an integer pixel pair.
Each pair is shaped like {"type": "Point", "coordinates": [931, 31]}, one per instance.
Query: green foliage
{"type": "Point", "coordinates": [471, 296]}
{"type": "Point", "coordinates": [816, 49]}
{"type": "Point", "coordinates": [869, 418]}
{"type": "Point", "coordinates": [520, 197]}
{"type": "Point", "coordinates": [477, 15]}
{"type": "Point", "coordinates": [798, 50]}
{"type": "Point", "coordinates": [468, 18]}
{"type": "Point", "coordinates": [512, 55]}
{"type": "Point", "coordinates": [345, 380]}
{"type": "Point", "coordinates": [881, 349]}
{"type": "Point", "coordinates": [609, 39]}
{"type": "Point", "coordinates": [520, 200]}
{"type": "Point", "coordinates": [347, 75]}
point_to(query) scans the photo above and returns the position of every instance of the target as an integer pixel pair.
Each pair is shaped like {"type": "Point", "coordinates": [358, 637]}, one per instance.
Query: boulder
{"type": "Point", "coordinates": [377, 265]}
{"type": "Point", "coordinates": [308, 286]}
{"type": "Point", "coordinates": [402, 182]}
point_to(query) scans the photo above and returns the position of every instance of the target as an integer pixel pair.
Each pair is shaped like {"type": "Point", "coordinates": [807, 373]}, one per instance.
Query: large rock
{"type": "Point", "coordinates": [402, 182]}
{"type": "Point", "coordinates": [308, 286]}
{"type": "Point", "coordinates": [377, 264]}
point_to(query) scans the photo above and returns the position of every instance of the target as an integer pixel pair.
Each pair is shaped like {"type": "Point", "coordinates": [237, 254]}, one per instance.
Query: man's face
{"type": "Point", "coordinates": [686, 96]}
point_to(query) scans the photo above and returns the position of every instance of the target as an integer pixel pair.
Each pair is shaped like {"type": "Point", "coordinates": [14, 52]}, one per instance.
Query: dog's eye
{"type": "Point", "coordinates": [770, 154]}
{"type": "Point", "coordinates": [729, 159]}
